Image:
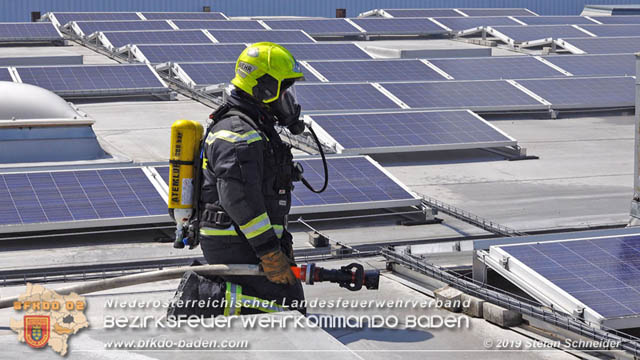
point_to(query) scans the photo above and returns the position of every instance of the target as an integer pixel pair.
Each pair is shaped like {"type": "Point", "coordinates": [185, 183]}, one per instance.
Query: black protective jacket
{"type": "Point", "coordinates": [247, 174]}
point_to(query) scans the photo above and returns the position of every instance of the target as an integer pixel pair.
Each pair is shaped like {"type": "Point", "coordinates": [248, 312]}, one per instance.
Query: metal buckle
{"type": "Point", "coordinates": [221, 218]}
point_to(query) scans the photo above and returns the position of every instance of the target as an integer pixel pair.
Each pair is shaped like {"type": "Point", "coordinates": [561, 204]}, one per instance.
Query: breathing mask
{"type": "Point", "coordinates": [287, 111]}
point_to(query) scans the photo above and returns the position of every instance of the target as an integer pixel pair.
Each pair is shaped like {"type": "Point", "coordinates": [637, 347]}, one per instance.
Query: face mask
{"type": "Point", "coordinates": [287, 111]}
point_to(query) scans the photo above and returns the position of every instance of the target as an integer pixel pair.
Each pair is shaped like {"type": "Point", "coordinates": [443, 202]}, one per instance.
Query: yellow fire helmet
{"type": "Point", "coordinates": [263, 67]}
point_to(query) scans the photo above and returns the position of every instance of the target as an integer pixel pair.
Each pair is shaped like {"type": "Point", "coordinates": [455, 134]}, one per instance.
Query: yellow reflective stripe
{"type": "Point", "coordinates": [235, 301]}
{"type": "Point", "coordinates": [230, 231]}
{"type": "Point", "coordinates": [236, 297]}
{"type": "Point", "coordinates": [232, 137]}
{"type": "Point", "coordinates": [232, 294]}
{"type": "Point", "coordinates": [256, 303]}
{"type": "Point", "coordinates": [256, 226]}
{"type": "Point", "coordinates": [279, 229]}
{"type": "Point", "coordinates": [227, 299]}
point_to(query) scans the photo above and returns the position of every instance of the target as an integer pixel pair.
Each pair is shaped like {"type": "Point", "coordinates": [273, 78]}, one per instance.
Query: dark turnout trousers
{"type": "Point", "coordinates": [235, 250]}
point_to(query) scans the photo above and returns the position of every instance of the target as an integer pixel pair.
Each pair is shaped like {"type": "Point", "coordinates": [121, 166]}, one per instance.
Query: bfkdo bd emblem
{"type": "Point", "coordinates": [36, 330]}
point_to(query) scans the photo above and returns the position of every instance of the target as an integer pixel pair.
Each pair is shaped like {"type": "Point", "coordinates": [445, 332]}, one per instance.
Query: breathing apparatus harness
{"type": "Point", "coordinates": [286, 117]}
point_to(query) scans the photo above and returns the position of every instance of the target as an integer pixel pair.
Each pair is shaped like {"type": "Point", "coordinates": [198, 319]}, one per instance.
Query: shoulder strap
{"type": "Point", "coordinates": [242, 116]}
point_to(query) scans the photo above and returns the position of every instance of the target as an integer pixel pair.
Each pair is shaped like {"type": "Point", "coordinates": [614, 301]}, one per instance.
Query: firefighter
{"type": "Point", "coordinates": [247, 175]}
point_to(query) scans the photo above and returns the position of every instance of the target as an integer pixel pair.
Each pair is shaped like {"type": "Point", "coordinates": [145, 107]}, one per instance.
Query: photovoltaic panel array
{"type": "Point", "coordinates": [497, 12]}
{"type": "Point", "coordinates": [413, 26]}
{"type": "Point", "coordinates": [90, 27]}
{"type": "Point", "coordinates": [28, 32]}
{"type": "Point", "coordinates": [555, 20]}
{"type": "Point", "coordinates": [320, 27]}
{"type": "Point", "coordinates": [183, 15]}
{"type": "Point", "coordinates": [423, 13]}
{"type": "Point", "coordinates": [327, 51]}
{"type": "Point", "coordinates": [376, 70]}
{"type": "Point", "coordinates": [628, 19]}
{"type": "Point", "coordinates": [596, 65]}
{"type": "Point", "coordinates": [230, 52]}
{"type": "Point", "coordinates": [4, 75]}
{"type": "Point", "coordinates": [218, 24]}
{"type": "Point", "coordinates": [612, 45]}
{"type": "Point", "coordinates": [518, 67]}
{"type": "Point", "coordinates": [255, 36]}
{"type": "Point", "coordinates": [585, 92]}
{"type": "Point", "coordinates": [65, 17]}
{"type": "Point", "coordinates": [613, 30]}
{"type": "Point", "coordinates": [93, 79]}
{"type": "Point", "coordinates": [122, 38]}
{"type": "Point", "coordinates": [216, 73]}
{"type": "Point", "coordinates": [410, 131]}
{"type": "Point", "coordinates": [204, 74]}
{"type": "Point", "coordinates": [494, 95]}
{"type": "Point", "coordinates": [69, 196]}
{"type": "Point", "coordinates": [466, 23]}
{"type": "Point", "coordinates": [327, 96]}
{"type": "Point", "coordinates": [520, 34]}
{"type": "Point", "coordinates": [356, 183]}
{"type": "Point", "coordinates": [191, 53]}
{"type": "Point", "coordinates": [601, 273]}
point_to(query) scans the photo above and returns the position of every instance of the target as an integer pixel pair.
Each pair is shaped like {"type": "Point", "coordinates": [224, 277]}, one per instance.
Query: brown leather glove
{"type": "Point", "coordinates": [277, 267]}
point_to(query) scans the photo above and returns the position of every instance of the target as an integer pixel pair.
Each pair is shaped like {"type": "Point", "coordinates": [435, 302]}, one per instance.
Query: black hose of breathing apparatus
{"type": "Point", "coordinates": [324, 165]}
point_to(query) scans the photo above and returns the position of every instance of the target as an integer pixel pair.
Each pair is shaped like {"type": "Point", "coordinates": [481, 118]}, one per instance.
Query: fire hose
{"type": "Point", "coordinates": [352, 277]}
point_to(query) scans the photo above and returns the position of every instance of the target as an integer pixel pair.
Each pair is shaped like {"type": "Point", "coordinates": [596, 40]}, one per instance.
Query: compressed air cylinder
{"type": "Point", "coordinates": [185, 147]}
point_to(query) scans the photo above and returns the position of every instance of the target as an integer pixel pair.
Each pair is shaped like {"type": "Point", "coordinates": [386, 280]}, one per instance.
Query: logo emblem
{"type": "Point", "coordinates": [253, 52]}
{"type": "Point", "coordinates": [36, 330]}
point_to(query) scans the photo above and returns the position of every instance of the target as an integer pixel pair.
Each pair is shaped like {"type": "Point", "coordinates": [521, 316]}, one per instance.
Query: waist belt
{"type": "Point", "coordinates": [218, 218]}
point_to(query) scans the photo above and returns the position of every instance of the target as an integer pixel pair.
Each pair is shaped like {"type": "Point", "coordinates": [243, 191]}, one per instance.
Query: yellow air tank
{"type": "Point", "coordinates": [185, 148]}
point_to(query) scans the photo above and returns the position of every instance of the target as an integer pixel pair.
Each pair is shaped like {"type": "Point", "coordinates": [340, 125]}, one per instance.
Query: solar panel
{"type": "Point", "coordinates": [254, 36]}
{"type": "Point", "coordinates": [204, 74]}
{"type": "Point", "coordinates": [325, 96]}
{"type": "Point", "coordinates": [4, 75]}
{"type": "Point", "coordinates": [89, 27]}
{"type": "Point", "coordinates": [191, 53]}
{"type": "Point", "coordinates": [497, 12]}
{"type": "Point", "coordinates": [71, 196]}
{"type": "Point", "coordinates": [375, 70]}
{"type": "Point", "coordinates": [403, 13]}
{"type": "Point", "coordinates": [600, 273]}
{"type": "Point", "coordinates": [41, 31]}
{"type": "Point", "coordinates": [413, 26]}
{"type": "Point", "coordinates": [183, 15]}
{"type": "Point", "coordinates": [333, 51]}
{"type": "Point", "coordinates": [409, 131]}
{"type": "Point", "coordinates": [315, 27]}
{"type": "Point", "coordinates": [466, 23]}
{"type": "Point", "coordinates": [584, 93]}
{"type": "Point", "coordinates": [612, 45]}
{"type": "Point", "coordinates": [613, 30]}
{"type": "Point", "coordinates": [520, 34]}
{"type": "Point", "coordinates": [617, 19]}
{"type": "Point", "coordinates": [487, 95]}
{"type": "Point", "coordinates": [65, 17]}
{"type": "Point", "coordinates": [596, 65]}
{"type": "Point", "coordinates": [355, 183]}
{"type": "Point", "coordinates": [519, 67]}
{"type": "Point", "coordinates": [122, 38]}
{"type": "Point", "coordinates": [218, 24]}
{"type": "Point", "coordinates": [554, 20]}
{"type": "Point", "coordinates": [93, 79]}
